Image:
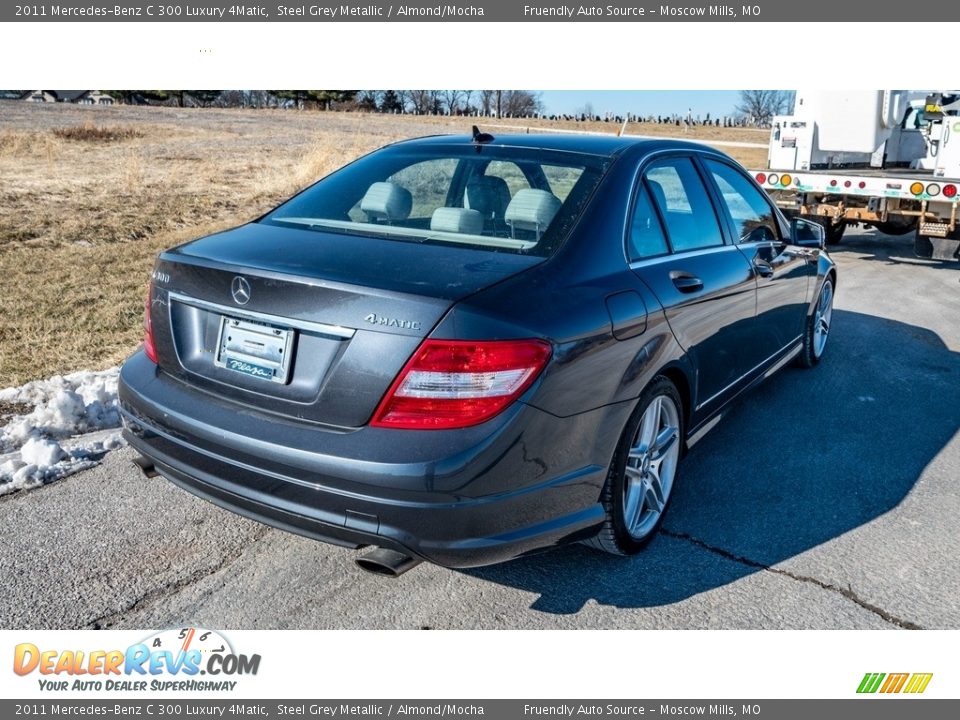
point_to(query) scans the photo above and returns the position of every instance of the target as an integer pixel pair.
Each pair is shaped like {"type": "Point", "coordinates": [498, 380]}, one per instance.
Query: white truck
{"type": "Point", "coordinates": [884, 158]}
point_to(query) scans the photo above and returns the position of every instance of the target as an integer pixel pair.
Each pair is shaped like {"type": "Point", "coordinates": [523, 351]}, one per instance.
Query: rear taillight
{"type": "Point", "coordinates": [950, 190]}
{"type": "Point", "coordinates": [148, 346]}
{"type": "Point", "coordinates": [458, 383]}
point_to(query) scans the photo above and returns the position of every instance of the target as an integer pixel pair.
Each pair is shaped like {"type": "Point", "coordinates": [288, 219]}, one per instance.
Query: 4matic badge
{"type": "Point", "coordinates": [375, 319]}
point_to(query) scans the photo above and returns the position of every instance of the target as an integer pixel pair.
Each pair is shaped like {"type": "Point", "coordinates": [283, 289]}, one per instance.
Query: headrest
{"type": "Point", "coordinates": [488, 194]}
{"type": "Point", "coordinates": [457, 220]}
{"type": "Point", "coordinates": [387, 201]}
{"type": "Point", "coordinates": [532, 209]}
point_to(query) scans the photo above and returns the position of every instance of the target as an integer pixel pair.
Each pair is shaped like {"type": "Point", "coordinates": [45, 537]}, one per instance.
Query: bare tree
{"type": "Point", "coordinates": [487, 100]}
{"type": "Point", "coordinates": [519, 103]}
{"type": "Point", "coordinates": [761, 105]}
{"type": "Point", "coordinates": [421, 102]}
{"type": "Point", "coordinates": [455, 101]}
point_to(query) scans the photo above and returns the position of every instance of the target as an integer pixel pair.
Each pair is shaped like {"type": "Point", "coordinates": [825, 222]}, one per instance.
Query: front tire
{"type": "Point", "coordinates": [818, 327]}
{"type": "Point", "coordinates": [644, 471]}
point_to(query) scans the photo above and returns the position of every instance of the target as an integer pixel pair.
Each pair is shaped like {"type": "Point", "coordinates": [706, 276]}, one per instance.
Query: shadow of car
{"type": "Point", "coordinates": [776, 477]}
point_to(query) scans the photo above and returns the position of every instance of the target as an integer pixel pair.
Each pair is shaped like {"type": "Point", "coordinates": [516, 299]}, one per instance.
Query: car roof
{"type": "Point", "coordinates": [588, 144]}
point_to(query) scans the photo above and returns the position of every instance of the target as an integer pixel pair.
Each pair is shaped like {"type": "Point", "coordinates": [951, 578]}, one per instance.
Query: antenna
{"type": "Point", "coordinates": [481, 137]}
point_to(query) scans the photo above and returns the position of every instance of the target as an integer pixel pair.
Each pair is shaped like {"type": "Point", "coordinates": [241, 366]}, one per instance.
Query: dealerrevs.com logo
{"type": "Point", "coordinates": [180, 659]}
{"type": "Point", "coordinates": [891, 683]}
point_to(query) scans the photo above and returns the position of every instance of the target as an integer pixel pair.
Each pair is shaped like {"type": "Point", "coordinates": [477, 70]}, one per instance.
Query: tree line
{"type": "Point", "coordinates": [496, 103]}
{"type": "Point", "coordinates": [755, 107]}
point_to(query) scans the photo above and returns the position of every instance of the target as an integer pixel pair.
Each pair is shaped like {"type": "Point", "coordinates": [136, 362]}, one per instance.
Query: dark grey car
{"type": "Point", "coordinates": [465, 349]}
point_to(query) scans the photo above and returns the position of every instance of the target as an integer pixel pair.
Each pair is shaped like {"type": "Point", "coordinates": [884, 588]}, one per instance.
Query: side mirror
{"type": "Point", "coordinates": [808, 234]}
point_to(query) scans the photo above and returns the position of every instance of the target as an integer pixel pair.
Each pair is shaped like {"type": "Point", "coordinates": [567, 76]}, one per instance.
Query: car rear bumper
{"type": "Point", "coordinates": [523, 481]}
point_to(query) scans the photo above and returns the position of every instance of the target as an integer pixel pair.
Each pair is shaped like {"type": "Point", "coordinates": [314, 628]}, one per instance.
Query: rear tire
{"type": "Point", "coordinates": [818, 327]}
{"type": "Point", "coordinates": [644, 471]}
{"type": "Point", "coordinates": [896, 228]}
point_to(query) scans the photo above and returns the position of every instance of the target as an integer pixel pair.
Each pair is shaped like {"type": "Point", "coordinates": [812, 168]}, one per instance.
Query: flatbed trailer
{"type": "Point", "coordinates": [894, 200]}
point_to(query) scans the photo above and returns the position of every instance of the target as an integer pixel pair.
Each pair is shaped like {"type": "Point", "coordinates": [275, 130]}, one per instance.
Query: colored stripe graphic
{"type": "Point", "coordinates": [894, 683]}
{"type": "Point", "coordinates": [870, 682]}
{"type": "Point", "coordinates": [918, 682]}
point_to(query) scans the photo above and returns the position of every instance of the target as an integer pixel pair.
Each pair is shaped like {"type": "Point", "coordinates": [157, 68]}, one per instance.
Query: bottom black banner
{"type": "Point", "coordinates": [872, 708]}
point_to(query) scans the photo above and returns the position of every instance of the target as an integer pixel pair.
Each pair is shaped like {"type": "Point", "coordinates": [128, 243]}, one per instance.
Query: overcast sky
{"type": "Point", "coordinates": [644, 102]}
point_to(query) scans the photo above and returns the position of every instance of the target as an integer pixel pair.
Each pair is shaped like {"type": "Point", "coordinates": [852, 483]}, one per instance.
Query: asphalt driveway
{"type": "Point", "coordinates": [826, 499]}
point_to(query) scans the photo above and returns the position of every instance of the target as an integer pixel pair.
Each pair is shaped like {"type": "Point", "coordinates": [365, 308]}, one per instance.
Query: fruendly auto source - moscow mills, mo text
{"type": "Point", "coordinates": [608, 11]}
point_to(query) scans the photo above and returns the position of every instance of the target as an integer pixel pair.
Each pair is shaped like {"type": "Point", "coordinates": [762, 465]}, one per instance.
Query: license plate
{"type": "Point", "coordinates": [254, 349]}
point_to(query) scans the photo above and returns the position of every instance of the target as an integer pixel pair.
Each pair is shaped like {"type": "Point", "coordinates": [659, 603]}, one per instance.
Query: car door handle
{"type": "Point", "coordinates": [685, 282]}
{"type": "Point", "coordinates": [763, 269]}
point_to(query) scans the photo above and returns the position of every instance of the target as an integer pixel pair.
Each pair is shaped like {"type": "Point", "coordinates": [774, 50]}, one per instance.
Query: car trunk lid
{"type": "Point", "coordinates": [307, 325]}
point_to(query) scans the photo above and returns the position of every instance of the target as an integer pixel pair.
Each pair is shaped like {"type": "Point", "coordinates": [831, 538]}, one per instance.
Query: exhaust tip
{"type": "Point", "coordinates": [146, 467]}
{"type": "Point", "coordinates": [386, 563]}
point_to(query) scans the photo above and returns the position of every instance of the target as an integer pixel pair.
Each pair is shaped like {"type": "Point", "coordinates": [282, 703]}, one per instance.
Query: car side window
{"type": "Point", "coordinates": [646, 234]}
{"type": "Point", "coordinates": [684, 205]}
{"type": "Point", "coordinates": [749, 209]}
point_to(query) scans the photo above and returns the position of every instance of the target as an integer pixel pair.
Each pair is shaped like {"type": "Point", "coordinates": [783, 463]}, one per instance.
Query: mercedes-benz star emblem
{"type": "Point", "coordinates": [240, 289]}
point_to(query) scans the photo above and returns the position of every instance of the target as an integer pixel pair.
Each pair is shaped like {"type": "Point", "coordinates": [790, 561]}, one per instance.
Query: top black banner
{"type": "Point", "coordinates": [492, 10]}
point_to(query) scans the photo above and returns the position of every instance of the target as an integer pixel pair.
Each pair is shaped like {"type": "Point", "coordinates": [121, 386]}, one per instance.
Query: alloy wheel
{"type": "Point", "coordinates": [651, 467]}
{"type": "Point", "coordinates": [822, 318]}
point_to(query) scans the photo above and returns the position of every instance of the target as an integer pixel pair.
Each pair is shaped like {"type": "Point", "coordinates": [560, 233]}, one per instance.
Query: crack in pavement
{"type": "Point", "coordinates": [153, 597]}
{"type": "Point", "coordinates": [847, 592]}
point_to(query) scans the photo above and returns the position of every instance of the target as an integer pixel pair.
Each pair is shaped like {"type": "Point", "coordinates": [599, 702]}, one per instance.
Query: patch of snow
{"type": "Point", "coordinates": [41, 452]}
{"type": "Point", "coordinates": [73, 422]}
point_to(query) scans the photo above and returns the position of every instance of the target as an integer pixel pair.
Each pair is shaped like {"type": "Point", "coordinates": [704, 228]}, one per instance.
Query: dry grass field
{"type": "Point", "coordinates": [88, 196]}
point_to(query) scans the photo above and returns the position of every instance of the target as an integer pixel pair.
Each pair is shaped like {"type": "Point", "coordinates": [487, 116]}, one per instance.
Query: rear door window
{"type": "Point", "coordinates": [679, 194]}
{"type": "Point", "coordinates": [646, 234]}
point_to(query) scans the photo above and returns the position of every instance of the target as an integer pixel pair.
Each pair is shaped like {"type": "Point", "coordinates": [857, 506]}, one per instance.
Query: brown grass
{"type": "Point", "coordinates": [88, 132]}
{"type": "Point", "coordinates": [90, 195]}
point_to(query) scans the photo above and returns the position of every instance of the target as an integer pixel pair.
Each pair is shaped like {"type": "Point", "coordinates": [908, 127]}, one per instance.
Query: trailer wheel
{"type": "Point", "coordinates": [896, 228]}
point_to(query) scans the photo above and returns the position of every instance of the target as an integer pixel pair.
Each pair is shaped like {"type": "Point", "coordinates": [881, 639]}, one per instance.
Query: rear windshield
{"type": "Point", "coordinates": [483, 196]}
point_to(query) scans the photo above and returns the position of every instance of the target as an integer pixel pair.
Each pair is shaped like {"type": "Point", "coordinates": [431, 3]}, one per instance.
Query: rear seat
{"type": "Point", "coordinates": [457, 220]}
{"type": "Point", "coordinates": [531, 211]}
{"type": "Point", "coordinates": [488, 194]}
{"type": "Point", "coordinates": [387, 202]}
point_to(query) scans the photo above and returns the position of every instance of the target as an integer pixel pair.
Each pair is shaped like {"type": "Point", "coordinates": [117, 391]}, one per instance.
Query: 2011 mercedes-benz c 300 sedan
{"type": "Point", "coordinates": [465, 349]}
